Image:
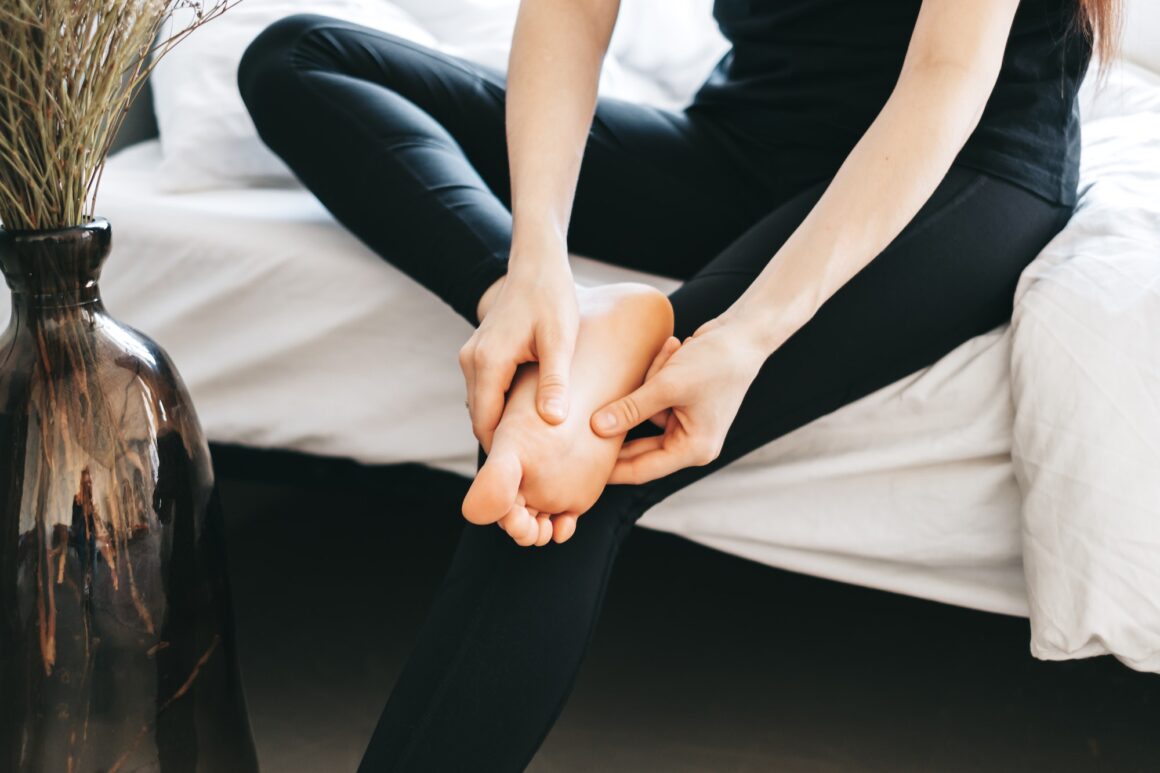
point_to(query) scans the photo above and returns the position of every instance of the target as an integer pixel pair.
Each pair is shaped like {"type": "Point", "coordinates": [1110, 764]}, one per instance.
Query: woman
{"type": "Point", "coordinates": [852, 194]}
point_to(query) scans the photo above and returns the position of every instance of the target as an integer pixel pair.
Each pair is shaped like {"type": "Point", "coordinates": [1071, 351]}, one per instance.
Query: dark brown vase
{"type": "Point", "coordinates": [116, 632]}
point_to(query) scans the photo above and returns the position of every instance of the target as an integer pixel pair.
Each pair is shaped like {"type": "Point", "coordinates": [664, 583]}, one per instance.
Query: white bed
{"type": "Point", "coordinates": [292, 335]}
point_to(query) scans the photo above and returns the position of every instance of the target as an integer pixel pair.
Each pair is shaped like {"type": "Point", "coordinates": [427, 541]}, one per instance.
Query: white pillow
{"type": "Point", "coordinates": [207, 138]}
{"type": "Point", "coordinates": [672, 45]}
{"type": "Point", "coordinates": [1141, 43]}
{"type": "Point", "coordinates": [479, 30]}
{"type": "Point", "coordinates": [660, 53]}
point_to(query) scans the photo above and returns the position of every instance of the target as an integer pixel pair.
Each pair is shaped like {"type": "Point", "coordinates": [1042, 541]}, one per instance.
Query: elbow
{"type": "Point", "coordinates": [972, 79]}
{"type": "Point", "coordinates": [590, 19]}
{"type": "Point", "coordinates": [970, 73]}
{"type": "Point", "coordinates": [966, 85]}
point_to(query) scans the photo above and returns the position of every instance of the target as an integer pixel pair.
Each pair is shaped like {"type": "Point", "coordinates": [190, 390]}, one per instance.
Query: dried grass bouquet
{"type": "Point", "coordinates": [69, 69]}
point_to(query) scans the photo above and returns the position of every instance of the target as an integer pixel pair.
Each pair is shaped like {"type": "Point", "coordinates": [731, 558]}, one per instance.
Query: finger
{"type": "Point", "coordinates": [635, 448]}
{"type": "Point", "coordinates": [544, 523]}
{"type": "Point", "coordinates": [492, 380]}
{"type": "Point", "coordinates": [649, 466]}
{"type": "Point", "coordinates": [555, 354]}
{"type": "Point", "coordinates": [563, 527]}
{"type": "Point", "coordinates": [467, 361]}
{"type": "Point", "coordinates": [667, 348]}
{"type": "Point", "coordinates": [661, 419]}
{"type": "Point", "coordinates": [622, 415]}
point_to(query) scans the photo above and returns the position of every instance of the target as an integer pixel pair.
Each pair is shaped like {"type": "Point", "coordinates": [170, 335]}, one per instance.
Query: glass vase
{"type": "Point", "coordinates": [116, 631]}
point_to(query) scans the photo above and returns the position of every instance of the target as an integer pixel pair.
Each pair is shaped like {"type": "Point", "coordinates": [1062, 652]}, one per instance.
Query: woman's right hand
{"type": "Point", "coordinates": [528, 315]}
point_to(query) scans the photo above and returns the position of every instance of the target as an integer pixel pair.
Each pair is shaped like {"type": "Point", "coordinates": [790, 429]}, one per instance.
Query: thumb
{"type": "Point", "coordinates": [552, 392]}
{"type": "Point", "coordinates": [627, 412]}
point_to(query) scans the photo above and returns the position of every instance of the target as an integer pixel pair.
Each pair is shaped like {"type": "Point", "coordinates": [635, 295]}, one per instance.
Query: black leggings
{"type": "Point", "coordinates": [406, 148]}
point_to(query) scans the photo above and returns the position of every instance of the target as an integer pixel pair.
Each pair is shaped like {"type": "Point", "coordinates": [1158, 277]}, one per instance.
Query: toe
{"type": "Point", "coordinates": [525, 530]}
{"type": "Point", "coordinates": [520, 525]}
{"type": "Point", "coordinates": [494, 490]}
{"type": "Point", "coordinates": [563, 527]}
{"type": "Point", "coordinates": [545, 526]}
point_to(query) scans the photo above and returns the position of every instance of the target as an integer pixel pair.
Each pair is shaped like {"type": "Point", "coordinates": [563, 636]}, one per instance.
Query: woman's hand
{"type": "Point", "coordinates": [529, 315]}
{"type": "Point", "coordinates": [694, 390]}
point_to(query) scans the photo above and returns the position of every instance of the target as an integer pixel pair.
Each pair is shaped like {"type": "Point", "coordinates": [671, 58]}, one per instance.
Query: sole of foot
{"type": "Point", "coordinates": [535, 468]}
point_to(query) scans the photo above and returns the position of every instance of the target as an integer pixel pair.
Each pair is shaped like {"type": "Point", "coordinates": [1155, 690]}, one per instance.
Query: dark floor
{"type": "Point", "coordinates": [702, 661]}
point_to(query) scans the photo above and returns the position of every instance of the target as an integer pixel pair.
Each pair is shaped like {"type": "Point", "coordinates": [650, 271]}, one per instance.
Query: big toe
{"type": "Point", "coordinates": [493, 492]}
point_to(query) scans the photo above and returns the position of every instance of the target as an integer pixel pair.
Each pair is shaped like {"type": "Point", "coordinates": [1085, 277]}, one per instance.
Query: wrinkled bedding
{"type": "Point", "coordinates": [1085, 378]}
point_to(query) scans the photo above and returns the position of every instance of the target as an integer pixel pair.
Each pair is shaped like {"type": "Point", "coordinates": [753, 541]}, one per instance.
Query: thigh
{"type": "Point", "coordinates": [661, 191]}
{"type": "Point", "coordinates": [949, 276]}
{"type": "Point", "coordinates": [388, 134]}
{"type": "Point", "coordinates": [658, 190]}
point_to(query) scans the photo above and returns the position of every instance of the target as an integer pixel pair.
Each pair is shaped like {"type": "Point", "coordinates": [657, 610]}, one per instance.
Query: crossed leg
{"type": "Point", "coordinates": [406, 147]}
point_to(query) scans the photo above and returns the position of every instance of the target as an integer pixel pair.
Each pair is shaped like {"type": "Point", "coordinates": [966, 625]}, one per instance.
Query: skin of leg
{"type": "Point", "coordinates": [496, 659]}
{"type": "Point", "coordinates": [563, 468]}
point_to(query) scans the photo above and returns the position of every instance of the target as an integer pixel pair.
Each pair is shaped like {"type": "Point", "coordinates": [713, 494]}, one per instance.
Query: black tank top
{"type": "Point", "coordinates": [809, 76]}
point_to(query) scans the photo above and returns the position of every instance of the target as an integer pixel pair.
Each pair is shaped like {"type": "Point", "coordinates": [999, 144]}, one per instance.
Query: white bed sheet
{"type": "Point", "coordinates": [291, 334]}
{"type": "Point", "coordinates": [1086, 385]}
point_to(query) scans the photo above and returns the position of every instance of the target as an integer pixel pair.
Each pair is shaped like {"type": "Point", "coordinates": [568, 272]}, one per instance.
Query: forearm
{"type": "Point", "coordinates": [952, 64]}
{"type": "Point", "coordinates": [553, 74]}
{"type": "Point", "coordinates": [885, 180]}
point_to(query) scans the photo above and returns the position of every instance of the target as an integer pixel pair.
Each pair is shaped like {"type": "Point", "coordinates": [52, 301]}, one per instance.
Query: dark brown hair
{"type": "Point", "coordinates": [1100, 21]}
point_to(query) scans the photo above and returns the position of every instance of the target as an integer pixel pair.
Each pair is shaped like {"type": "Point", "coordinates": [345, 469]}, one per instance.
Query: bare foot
{"type": "Point", "coordinates": [534, 468]}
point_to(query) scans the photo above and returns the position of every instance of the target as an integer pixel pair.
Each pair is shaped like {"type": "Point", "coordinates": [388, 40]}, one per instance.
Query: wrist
{"type": "Point", "coordinates": [531, 280]}
{"type": "Point", "coordinates": [487, 300]}
{"type": "Point", "coordinates": [765, 324]}
{"type": "Point", "coordinates": [536, 246]}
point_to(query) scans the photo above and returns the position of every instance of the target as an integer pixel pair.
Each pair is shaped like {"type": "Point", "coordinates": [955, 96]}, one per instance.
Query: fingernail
{"type": "Point", "coordinates": [605, 420]}
{"type": "Point", "coordinates": [554, 407]}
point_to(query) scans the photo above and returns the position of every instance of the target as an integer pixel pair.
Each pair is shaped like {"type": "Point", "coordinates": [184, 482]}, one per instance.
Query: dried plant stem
{"type": "Point", "coordinates": [68, 72]}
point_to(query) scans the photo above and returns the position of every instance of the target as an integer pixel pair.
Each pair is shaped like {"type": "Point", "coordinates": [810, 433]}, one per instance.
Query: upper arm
{"type": "Point", "coordinates": [592, 20]}
{"type": "Point", "coordinates": [965, 35]}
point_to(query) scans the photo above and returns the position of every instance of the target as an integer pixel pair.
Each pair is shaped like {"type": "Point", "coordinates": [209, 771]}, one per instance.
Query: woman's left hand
{"type": "Point", "coordinates": [694, 390]}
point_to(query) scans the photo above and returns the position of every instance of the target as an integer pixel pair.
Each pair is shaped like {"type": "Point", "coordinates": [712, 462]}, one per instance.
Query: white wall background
{"type": "Point", "coordinates": [1142, 32]}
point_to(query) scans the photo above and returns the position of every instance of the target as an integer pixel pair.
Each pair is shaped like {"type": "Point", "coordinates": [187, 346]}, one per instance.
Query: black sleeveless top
{"type": "Point", "coordinates": [810, 76]}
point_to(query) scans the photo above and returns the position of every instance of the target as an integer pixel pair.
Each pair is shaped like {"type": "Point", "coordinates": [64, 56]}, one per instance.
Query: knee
{"type": "Point", "coordinates": [265, 70]}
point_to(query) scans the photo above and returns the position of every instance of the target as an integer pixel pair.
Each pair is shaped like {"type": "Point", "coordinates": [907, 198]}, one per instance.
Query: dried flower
{"type": "Point", "coordinates": [69, 69]}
